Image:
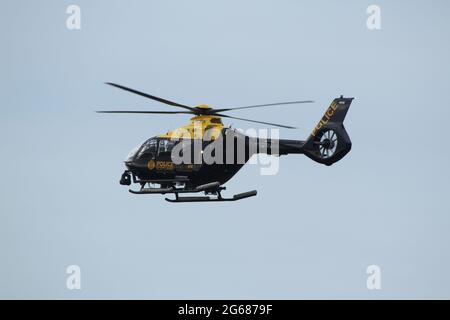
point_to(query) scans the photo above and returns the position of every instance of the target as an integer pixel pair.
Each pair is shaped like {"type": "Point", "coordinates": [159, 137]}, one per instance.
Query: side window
{"type": "Point", "coordinates": [165, 147]}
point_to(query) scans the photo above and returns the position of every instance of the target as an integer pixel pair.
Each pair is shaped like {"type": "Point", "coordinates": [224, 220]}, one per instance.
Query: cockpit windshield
{"type": "Point", "coordinates": [149, 148]}
{"type": "Point", "coordinates": [132, 153]}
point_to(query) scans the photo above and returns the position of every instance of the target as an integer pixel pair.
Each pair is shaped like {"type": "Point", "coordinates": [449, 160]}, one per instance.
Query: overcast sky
{"type": "Point", "coordinates": [312, 230]}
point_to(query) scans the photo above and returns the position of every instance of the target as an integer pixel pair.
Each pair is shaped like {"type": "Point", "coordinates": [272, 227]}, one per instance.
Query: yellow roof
{"type": "Point", "coordinates": [197, 127]}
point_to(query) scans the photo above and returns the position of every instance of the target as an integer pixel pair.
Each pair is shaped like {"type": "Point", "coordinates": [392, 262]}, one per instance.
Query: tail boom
{"type": "Point", "coordinates": [328, 141]}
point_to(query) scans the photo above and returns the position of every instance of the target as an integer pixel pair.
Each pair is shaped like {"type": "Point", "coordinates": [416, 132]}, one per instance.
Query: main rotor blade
{"type": "Point", "coordinates": [249, 120]}
{"type": "Point", "coordinates": [146, 112]}
{"type": "Point", "coordinates": [149, 96]}
{"type": "Point", "coordinates": [264, 105]}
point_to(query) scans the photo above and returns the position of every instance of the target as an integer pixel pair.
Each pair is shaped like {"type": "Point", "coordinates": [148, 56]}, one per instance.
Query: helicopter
{"type": "Point", "coordinates": [176, 163]}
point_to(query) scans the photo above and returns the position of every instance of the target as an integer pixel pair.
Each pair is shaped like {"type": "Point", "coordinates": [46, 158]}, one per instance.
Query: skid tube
{"type": "Point", "coordinates": [209, 188]}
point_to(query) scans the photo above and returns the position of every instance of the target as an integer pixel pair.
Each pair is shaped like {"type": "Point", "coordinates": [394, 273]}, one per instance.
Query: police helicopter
{"type": "Point", "coordinates": [176, 162]}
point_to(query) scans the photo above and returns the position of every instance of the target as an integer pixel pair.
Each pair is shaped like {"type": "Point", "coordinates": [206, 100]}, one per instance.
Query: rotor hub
{"type": "Point", "coordinates": [203, 107]}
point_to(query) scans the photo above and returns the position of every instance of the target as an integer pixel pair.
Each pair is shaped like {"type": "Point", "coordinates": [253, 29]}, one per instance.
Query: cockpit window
{"type": "Point", "coordinates": [165, 147]}
{"type": "Point", "coordinates": [132, 153]}
{"type": "Point", "coordinates": [149, 148]}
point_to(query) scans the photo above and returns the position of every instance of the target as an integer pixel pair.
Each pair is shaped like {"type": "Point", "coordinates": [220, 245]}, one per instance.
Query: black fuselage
{"type": "Point", "coordinates": [210, 161]}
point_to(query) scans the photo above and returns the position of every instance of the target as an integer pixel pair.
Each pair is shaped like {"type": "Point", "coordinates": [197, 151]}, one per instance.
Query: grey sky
{"type": "Point", "coordinates": [312, 230]}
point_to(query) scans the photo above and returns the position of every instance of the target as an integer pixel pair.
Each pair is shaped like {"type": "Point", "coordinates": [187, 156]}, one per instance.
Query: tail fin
{"type": "Point", "coordinates": [329, 142]}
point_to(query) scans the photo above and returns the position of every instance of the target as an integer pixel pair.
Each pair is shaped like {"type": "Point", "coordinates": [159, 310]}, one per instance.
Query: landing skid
{"type": "Point", "coordinates": [212, 188]}
{"type": "Point", "coordinates": [236, 197]}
